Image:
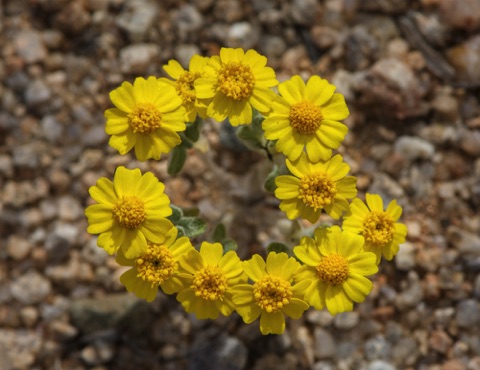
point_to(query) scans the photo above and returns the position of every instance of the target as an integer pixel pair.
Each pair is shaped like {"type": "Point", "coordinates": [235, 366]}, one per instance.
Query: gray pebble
{"type": "Point", "coordinates": [377, 348]}
{"type": "Point", "coordinates": [324, 344]}
{"type": "Point", "coordinates": [242, 35]}
{"type": "Point", "coordinates": [136, 58]}
{"type": "Point", "coordinates": [380, 365]}
{"type": "Point", "coordinates": [468, 314]}
{"type": "Point", "coordinates": [411, 148]}
{"type": "Point", "coordinates": [52, 129]}
{"type": "Point", "coordinates": [346, 320]}
{"type": "Point", "coordinates": [184, 52]}
{"type": "Point", "coordinates": [137, 18]}
{"type": "Point", "coordinates": [30, 288]}
{"type": "Point", "coordinates": [37, 93]}
{"type": "Point", "coordinates": [29, 46]}
{"type": "Point", "coordinates": [405, 258]}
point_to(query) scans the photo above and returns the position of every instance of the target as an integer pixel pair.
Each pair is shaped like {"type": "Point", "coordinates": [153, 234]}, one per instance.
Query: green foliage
{"type": "Point", "coordinates": [279, 248]}
{"type": "Point", "coordinates": [187, 222]}
{"type": "Point", "coordinates": [177, 159]}
{"type": "Point", "coordinates": [252, 135]}
{"type": "Point", "coordinates": [219, 235]}
{"type": "Point", "coordinates": [269, 183]}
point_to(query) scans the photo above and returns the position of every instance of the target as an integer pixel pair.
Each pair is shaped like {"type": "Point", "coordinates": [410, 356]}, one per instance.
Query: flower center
{"type": "Point", "coordinates": [333, 269]}
{"type": "Point", "coordinates": [185, 86]}
{"type": "Point", "coordinates": [210, 283]}
{"type": "Point", "coordinates": [317, 190]}
{"type": "Point", "coordinates": [378, 228]}
{"type": "Point", "coordinates": [156, 265]}
{"type": "Point", "coordinates": [145, 118]}
{"type": "Point", "coordinates": [305, 117]}
{"type": "Point", "coordinates": [236, 80]}
{"type": "Point", "coordinates": [272, 293]}
{"type": "Point", "coordinates": [129, 212]}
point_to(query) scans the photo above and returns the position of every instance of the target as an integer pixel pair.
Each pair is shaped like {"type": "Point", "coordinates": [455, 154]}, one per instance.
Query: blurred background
{"type": "Point", "coordinates": [410, 71]}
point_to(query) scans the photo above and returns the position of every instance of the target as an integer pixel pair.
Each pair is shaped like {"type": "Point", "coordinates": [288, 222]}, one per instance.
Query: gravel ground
{"type": "Point", "coordinates": [410, 73]}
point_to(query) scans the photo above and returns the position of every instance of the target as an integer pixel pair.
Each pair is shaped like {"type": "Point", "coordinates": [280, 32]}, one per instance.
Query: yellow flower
{"type": "Point", "coordinates": [157, 266]}
{"type": "Point", "coordinates": [336, 266]}
{"type": "Point", "coordinates": [306, 117]}
{"type": "Point", "coordinates": [208, 277]}
{"type": "Point", "coordinates": [131, 210]}
{"type": "Point", "coordinates": [382, 233]}
{"type": "Point", "coordinates": [184, 85]}
{"type": "Point", "coordinates": [315, 186]}
{"type": "Point", "coordinates": [147, 116]}
{"type": "Point", "coordinates": [235, 82]}
{"type": "Point", "coordinates": [273, 294]}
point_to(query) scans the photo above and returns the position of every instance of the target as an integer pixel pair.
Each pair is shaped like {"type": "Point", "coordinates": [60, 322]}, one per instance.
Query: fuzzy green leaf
{"type": "Point", "coordinates": [177, 160]}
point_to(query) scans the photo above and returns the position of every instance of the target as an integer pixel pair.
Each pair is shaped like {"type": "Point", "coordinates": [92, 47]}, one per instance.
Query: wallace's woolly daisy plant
{"type": "Point", "coordinates": [235, 82]}
{"type": "Point", "coordinates": [129, 211]}
{"type": "Point", "coordinates": [336, 266]}
{"type": "Point", "coordinates": [147, 117]}
{"type": "Point", "coordinates": [306, 117]}
{"type": "Point", "coordinates": [313, 187]}
{"type": "Point", "coordinates": [184, 85]}
{"type": "Point", "coordinates": [382, 233]}
{"type": "Point", "coordinates": [156, 267]}
{"type": "Point", "coordinates": [273, 294]}
{"type": "Point", "coordinates": [207, 279]}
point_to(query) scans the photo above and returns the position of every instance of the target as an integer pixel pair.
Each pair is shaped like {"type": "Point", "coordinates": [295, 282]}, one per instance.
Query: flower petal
{"type": "Point", "coordinates": [272, 323]}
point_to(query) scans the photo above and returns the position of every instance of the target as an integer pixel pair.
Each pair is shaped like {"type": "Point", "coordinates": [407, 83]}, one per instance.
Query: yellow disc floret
{"type": "Point", "coordinates": [144, 118]}
{"type": "Point", "coordinates": [378, 228]}
{"type": "Point", "coordinates": [156, 265]}
{"type": "Point", "coordinates": [129, 212]}
{"type": "Point", "coordinates": [185, 86]}
{"type": "Point", "coordinates": [317, 190]}
{"type": "Point", "coordinates": [333, 269]}
{"type": "Point", "coordinates": [210, 283]}
{"type": "Point", "coordinates": [236, 80]}
{"type": "Point", "coordinates": [272, 293]}
{"type": "Point", "coordinates": [305, 117]}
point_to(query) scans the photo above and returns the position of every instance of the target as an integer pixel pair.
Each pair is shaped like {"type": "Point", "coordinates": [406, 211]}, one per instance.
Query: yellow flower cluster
{"type": "Point", "coordinates": [132, 214]}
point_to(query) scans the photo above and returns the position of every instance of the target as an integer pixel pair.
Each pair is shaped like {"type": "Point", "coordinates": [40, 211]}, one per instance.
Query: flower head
{"type": "Point", "coordinates": [306, 116]}
{"type": "Point", "coordinates": [147, 116]}
{"type": "Point", "coordinates": [157, 266]}
{"type": "Point", "coordinates": [315, 186]}
{"type": "Point", "coordinates": [382, 233]}
{"type": "Point", "coordinates": [236, 82]}
{"type": "Point", "coordinates": [131, 210]}
{"type": "Point", "coordinates": [184, 85]}
{"type": "Point", "coordinates": [207, 279]}
{"type": "Point", "coordinates": [336, 267]}
{"type": "Point", "coordinates": [273, 293]}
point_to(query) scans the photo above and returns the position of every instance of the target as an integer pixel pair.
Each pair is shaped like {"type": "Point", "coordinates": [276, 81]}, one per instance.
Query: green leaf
{"type": "Point", "coordinates": [177, 214]}
{"type": "Point", "coordinates": [193, 226]}
{"type": "Point", "coordinates": [278, 248]}
{"type": "Point", "coordinates": [192, 132]}
{"type": "Point", "coordinates": [219, 234]}
{"type": "Point", "coordinates": [229, 245]}
{"type": "Point", "coordinates": [191, 212]}
{"type": "Point", "coordinates": [181, 231]}
{"type": "Point", "coordinates": [177, 160]}
{"type": "Point", "coordinates": [269, 183]}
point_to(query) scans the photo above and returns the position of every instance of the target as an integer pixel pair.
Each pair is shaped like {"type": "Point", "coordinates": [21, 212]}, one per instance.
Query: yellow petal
{"type": "Point", "coordinates": [374, 202]}
{"type": "Point", "coordinates": [211, 253]}
{"type": "Point", "coordinates": [272, 323]}
{"type": "Point", "coordinates": [174, 69]}
{"type": "Point", "coordinates": [255, 267]}
{"type": "Point", "coordinates": [295, 308]}
{"type": "Point", "coordinates": [117, 121]}
{"type": "Point", "coordinates": [123, 98]}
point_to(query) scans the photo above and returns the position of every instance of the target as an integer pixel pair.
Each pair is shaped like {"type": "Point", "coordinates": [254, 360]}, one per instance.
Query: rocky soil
{"type": "Point", "coordinates": [410, 73]}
